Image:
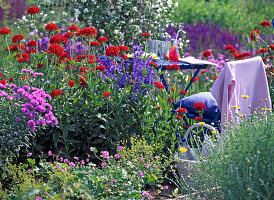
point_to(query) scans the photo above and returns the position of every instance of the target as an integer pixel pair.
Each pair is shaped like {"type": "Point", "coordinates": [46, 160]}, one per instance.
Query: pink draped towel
{"type": "Point", "coordinates": [243, 77]}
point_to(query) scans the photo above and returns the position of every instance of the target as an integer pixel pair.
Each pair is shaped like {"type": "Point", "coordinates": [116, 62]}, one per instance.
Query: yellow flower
{"type": "Point", "coordinates": [202, 123]}
{"type": "Point", "coordinates": [183, 149]}
{"type": "Point", "coordinates": [248, 161]}
{"type": "Point", "coordinates": [265, 99]}
{"type": "Point", "coordinates": [154, 56]}
{"type": "Point", "coordinates": [213, 132]}
{"type": "Point", "coordinates": [248, 189]}
{"type": "Point", "coordinates": [249, 106]}
{"type": "Point", "coordinates": [158, 191]}
{"type": "Point", "coordinates": [245, 96]}
{"type": "Point", "coordinates": [241, 116]}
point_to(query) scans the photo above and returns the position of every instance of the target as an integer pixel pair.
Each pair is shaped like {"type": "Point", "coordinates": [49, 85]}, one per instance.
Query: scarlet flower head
{"type": "Point", "coordinates": [16, 47]}
{"type": "Point", "coordinates": [204, 71]}
{"type": "Point", "coordinates": [102, 39]}
{"type": "Point", "coordinates": [263, 50]}
{"type": "Point", "coordinates": [68, 35]}
{"type": "Point", "coordinates": [123, 48]}
{"type": "Point", "coordinates": [58, 39]}
{"type": "Point", "coordinates": [32, 43]}
{"type": "Point", "coordinates": [206, 54]}
{"type": "Point", "coordinates": [29, 51]}
{"type": "Point", "coordinates": [55, 49]}
{"type": "Point", "coordinates": [73, 28]}
{"type": "Point", "coordinates": [194, 80]}
{"type": "Point", "coordinates": [40, 65]}
{"type": "Point", "coordinates": [125, 57]}
{"type": "Point", "coordinates": [182, 92]}
{"type": "Point", "coordinates": [83, 82]}
{"type": "Point", "coordinates": [25, 55]}
{"type": "Point", "coordinates": [71, 83]}
{"type": "Point", "coordinates": [181, 110]}
{"type": "Point", "coordinates": [199, 106]}
{"type": "Point", "coordinates": [55, 93]}
{"type": "Point", "coordinates": [4, 31]}
{"type": "Point", "coordinates": [89, 31]}
{"type": "Point", "coordinates": [101, 68]}
{"type": "Point", "coordinates": [51, 27]}
{"type": "Point", "coordinates": [254, 35]}
{"type": "Point", "coordinates": [198, 118]}
{"type": "Point", "coordinates": [22, 60]}
{"type": "Point", "coordinates": [95, 43]}
{"type": "Point", "coordinates": [17, 38]}
{"type": "Point", "coordinates": [271, 46]}
{"type": "Point", "coordinates": [214, 77]}
{"type": "Point", "coordinates": [247, 54]}
{"type": "Point", "coordinates": [3, 82]}
{"type": "Point", "coordinates": [173, 67]}
{"type": "Point", "coordinates": [33, 10]}
{"type": "Point", "coordinates": [179, 117]}
{"type": "Point", "coordinates": [112, 51]}
{"type": "Point", "coordinates": [159, 85]}
{"type": "Point", "coordinates": [265, 24]}
{"type": "Point", "coordinates": [146, 35]}
{"type": "Point", "coordinates": [106, 94]}
{"type": "Point", "coordinates": [229, 47]}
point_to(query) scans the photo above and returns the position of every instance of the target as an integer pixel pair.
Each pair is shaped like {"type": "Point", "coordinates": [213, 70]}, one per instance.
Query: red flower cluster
{"type": "Point", "coordinates": [51, 27]}
{"type": "Point", "coordinates": [40, 65]}
{"type": "Point", "coordinates": [32, 43]}
{"type": "Point", "coordinates": [173, 67]}
{"type": "Point", "coordinates": [16, 47]}
{"type": "Point", "coordinates": [159, 85]}
{"type": "Point", "coordinates": [17, 38]}
{"type": "Point", "coordinates": [71, 83]}
{"type": "Point", "coordinates": [55, 93]}
{"type": "Point", "coordinates": [83, 82]}
{"type": "Point", "coordinates": [25, 55]}
{"type": "Point", "coordinates": [123, 48]}
{"type": "Point", "coordinates": [262, 50]}
{"type": "Point", "coordinates": [55, 49]}
{"type": "Point", "coordinates": [29, 51]}
{"type": "Point", "coordinates": [254, 35]}
{"type": "Point", "coordinates": [106, 94]}
{"type": "Point", "coordinates": [80, 57]}
{"type": "Point", "coordinates": [33, 10]}
{"type": "Point", "coordinates": [4, 31]}
{"type": "Point", "coordinates": [182, 92]}
{"type": "Point", "coordinates": [152, 64]}
{"type": "Point", "coordinates": [101, 68]}
{"type": "Point", "coordinates": [271, 46]}
{"type": "Point", "coordinates": [1, 75]}
{"type": "Point", "coordinates": [195, 79]}
{"type": "Point", "coordinates": [146, 35]}
{"type": "Point", "coordinates": [22, 60]}
{"type": "Point", "coordinates": [198, 118]}
{"type": "Point", "coordinates": [68, 35]}
{"type": "Point", "coordinates": [73, 28]}
{"type": "Point", "coordinates": [102, 39]}
{"type": "Point", "coordinates": [206, 54]}
{"type": "Point", "coordinates": [179, 117]}
{"type": "Point", "coordinates": [58, 39]}
{"type": "Point", "coordinates": [214, 77]}
{"type": "Point", "coordinates": [265, 24]}
{"type": "Point", "coordinates": [95, 43]}
{"type": "Point", "coordinates": [89, 31]}
{"type": "Point", "coordinates": [112, 51]}
{"type": "Point", "coordinates": [125, 57]}
{"type": "Point", "coordinates": [3, 82]}
{"type": "Point", "coordinates": [203, 71]}
{"type": "Point", "coordinates": [181, 110]}
{"type": "Point", "coordinates": [199, 106]}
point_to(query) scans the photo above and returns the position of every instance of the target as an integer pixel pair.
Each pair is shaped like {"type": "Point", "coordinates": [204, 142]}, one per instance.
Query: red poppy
{"type": "Point", "coordinates": [173, 67]}
{"type": "Point", "coordinates": [112, 51]}
{"type": "Point", "coordinates": [106, 94]}
{"type": "Point", "coordinates": [68, 35]}
{"type": "Point", "coordinates": [58, 39]}
{"type": "Point", "coordinates": [195, 79]}
{"type": "Point", "coordinates": [51, 27]}
{"type": "Point", "coordinates": [22, 60]}
{"type": "Point", "coordinates": [4, 31]}
{"type": "Point", "coordinates": [254, 35]}
{"type": "Point", "coordinates": [33, 10]}
{"type": "Point", "coordinates": [123, 48]}
{"type": "Point", "coordinates": [71, 83]}
{"type": "Point", "coordinates": [29, 51]}
{"type": "Point", "coordinates": [207, 53]}
{"type": "Point", "coordinates": [181, 110]}
{"type": "Point", "coordinates": [101, 68]}
{"type": "Point", "coordinates": [55, 49]}
{"type": "Point", "coordinates": [3, 82]}
{"type": "Point", "coordinates": [102, 39]}
{"type": "Point", "coordinates": [182, 92]}
{"type": "Point", "coordinates": [55, 93]}
{"type": "Point", "coordinates": [199, 106]}
{"type": "Point", "coordinates": [146, 35]}
{"type": "Point", "coordinates": [40, 65]}
{"type": "Point", "coordinates": [198, 118]}
{"type": "Point", "coordinates": [179, 117]}
{"type": "Point", "coordinates": [124, 57]}
{"type": "Point", "coordinates": [265, 24]}
{"type": "Point", "coordinates": [73, 28]}
{"type": "Point", "coordinates": [152, 64]}
{"type": "Point", "coordinates": [89, 31]}
{"type": "Point", "coordinates": [159, 85]}
{"type": "Point", "coordinates": [17, 38]}
{"type": "Point", "coordinates": [95, 43]}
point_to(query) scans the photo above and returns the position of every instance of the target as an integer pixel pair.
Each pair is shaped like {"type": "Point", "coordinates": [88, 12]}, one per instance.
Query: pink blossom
{"type": "Point", "coordinates": [39, 198]}
{"type": "Point", "coordinates": [91, 149]}
{"type": "Point", "coordinates": [120, 148]}
{"type": "Point", "coordinates": [50, 153]}
{"type": "Point", "coordinates": [146, 165]}
{"type": "Point", "coordinates": [142, 159]}
{"type": "Point", "coordinates": [166, 187]}
{"type": "Point", "coordinates": [76, 158]}
{"type": "Point", "coordinates": [117, 155]}
{"type": "Point", "coordinates": [28, 171]}
{"type": "Point", "coordinates": [105, 154]}
{"type": "Point", "coordinates": [57, 167]}
{"type": "Point", "coordinates": [29, 154]}
{"type": "Point", "coordinates": [141, 174]}
{"type": "Point", "coordinates": [103, 164]}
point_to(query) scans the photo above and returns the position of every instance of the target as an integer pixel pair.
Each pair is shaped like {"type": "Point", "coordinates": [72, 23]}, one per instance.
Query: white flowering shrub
{"type": "Point", "coordinates": [122, 20]}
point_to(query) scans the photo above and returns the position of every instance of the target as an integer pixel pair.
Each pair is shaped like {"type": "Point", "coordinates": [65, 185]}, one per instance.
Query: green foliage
{"type": "Point", "coordinates": [242, 169]}
{"type": "Point", "coordinates": [239, 16]}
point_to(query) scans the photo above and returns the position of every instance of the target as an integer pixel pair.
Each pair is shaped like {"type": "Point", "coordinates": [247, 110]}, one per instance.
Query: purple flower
{"type": "Point", "coordinates": [24, 110]}
{"type": "Point", "coordinates": [146, 194]}
{"type": "Point", "coordinates": [29, 154]}
{"type": "Point", "coordinates": [40, 122]}
{"type": "Point", "coordinates": [146, 165]}
{"type": "Point", "coordinates": [25, 87]}
{"type": "Point", "coordinates": [31, 115]}
{"type": "Point", "coordinates": [31, 125]}
{"type": "Point", "coordinates": [120, 148]}
{"type": "Point", "coordinates": [105, 154]}
{"type": "Point", "coordinates": [141, 174]}
{"type": "Point", "coordinates": [40, 109]}
{"type": "Point", "coordinates": [39, 198]}
{"type": "Point", "coordinates": [20, 90]}
{"type": "Point", "coordinates": [50, 153]}
{"type": "Point", "coordinates": [17, 119]}
{"type": "Point", "coordinates": [117, 155]}
{"type": "Point", "coordinates": [91, 149]}
{"type": "Point", "coordinates": [166, 187]}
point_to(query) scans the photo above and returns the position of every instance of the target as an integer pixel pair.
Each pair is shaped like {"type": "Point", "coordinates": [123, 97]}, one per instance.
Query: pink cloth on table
{"type": "Point", "coordinates": [243, 77]}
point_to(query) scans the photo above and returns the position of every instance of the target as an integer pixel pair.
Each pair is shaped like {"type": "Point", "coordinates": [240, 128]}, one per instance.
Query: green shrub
{"type": "Point", "coordinates": [243, 168]}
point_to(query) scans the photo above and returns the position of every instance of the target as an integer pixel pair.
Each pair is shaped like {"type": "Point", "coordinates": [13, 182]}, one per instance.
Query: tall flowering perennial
{"type": "Point", "coordinates": [33, 10]}
{"type": "Point", "coordinates": [30, 105]}
{"type": "Point", "coordinates": [112, 51]}
{"type": "Point", "coordinates": [51, 27]}
{"type": "Point", "coordinates": [4, 31]}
